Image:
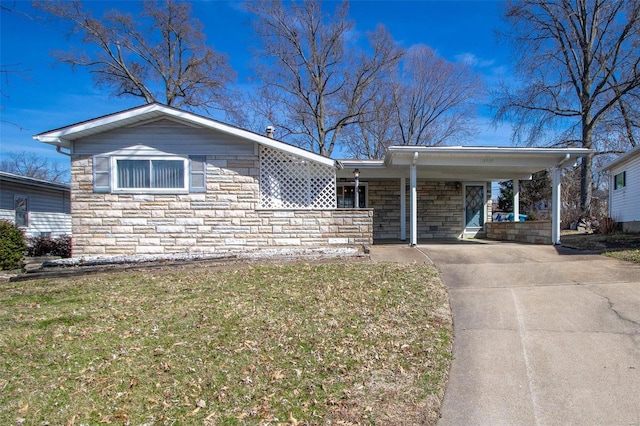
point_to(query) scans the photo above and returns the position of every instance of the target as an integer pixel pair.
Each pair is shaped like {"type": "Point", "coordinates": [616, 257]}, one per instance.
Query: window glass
{"type": "Point", "coordinates": [158, 174]}
{"type": "Point", "coordinates": [167, 174]}
{"type": "Point", "coordinates": [620, 180]}
{"type": "Point", "coordinates": [20, 206]}
{"type": "Point", "coordinates": [346, 198]}
{"type": "Point", "coordinates": [134, 174]}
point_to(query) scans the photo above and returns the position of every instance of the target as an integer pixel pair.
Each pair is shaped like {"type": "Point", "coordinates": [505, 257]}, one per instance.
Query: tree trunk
{"type": "Point", "coordinates": [586, 172]}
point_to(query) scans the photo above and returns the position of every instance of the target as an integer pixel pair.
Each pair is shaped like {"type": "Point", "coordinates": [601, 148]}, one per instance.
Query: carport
{"type": "Point", "coordinates": [466, 170]}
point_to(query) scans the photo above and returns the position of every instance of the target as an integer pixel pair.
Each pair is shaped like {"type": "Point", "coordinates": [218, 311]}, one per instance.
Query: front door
{"type": "Point", "coordinates": [474, 208]}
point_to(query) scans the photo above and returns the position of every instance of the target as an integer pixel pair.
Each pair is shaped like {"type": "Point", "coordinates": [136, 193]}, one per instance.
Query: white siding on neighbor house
{"type": "Point", "coordinates": [164, 136]}
{"type": "Point", "coordinates": [624, 203]}
{"type": "Point", "coordinates": [56, 224]}
{"type": "Point", "coordinates": [40, 199]}
{"type": "Point", "coordinates": [9, 215]}
{"type": "Point", "coordinates": [48, 210]}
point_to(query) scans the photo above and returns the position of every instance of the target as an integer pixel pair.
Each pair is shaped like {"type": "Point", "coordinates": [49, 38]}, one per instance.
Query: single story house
{"type": "Point", "coordinates": [624, 190]}
{"type": "Point", "coordinates": [158, 180]}
{"type": "Point", "coordinates": [38, 207]}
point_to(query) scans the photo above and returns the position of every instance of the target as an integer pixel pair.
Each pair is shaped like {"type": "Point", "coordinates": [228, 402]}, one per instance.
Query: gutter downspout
{"type": "Point", "coordinates": [59, 150]}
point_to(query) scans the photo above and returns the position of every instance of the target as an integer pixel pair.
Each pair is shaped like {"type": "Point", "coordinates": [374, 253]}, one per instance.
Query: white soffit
{"type": "Point", "coordinates": [463, 163]}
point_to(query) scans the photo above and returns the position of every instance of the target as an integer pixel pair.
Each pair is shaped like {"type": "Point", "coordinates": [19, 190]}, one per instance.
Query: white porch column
{"type": "Point", "coordinates": [555, 206]}
{"type": "Point", "coordinates": [403, 209]}
{"type": "Point", "coordinates": [516, 200]}
{"type": "Point", "coordinates": [414, 202]}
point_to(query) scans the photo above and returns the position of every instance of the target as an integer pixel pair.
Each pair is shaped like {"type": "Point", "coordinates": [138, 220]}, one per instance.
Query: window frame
{"type": "Point", "coordinates": [342, 185]}
{"type": "Point", "coordinates": [186, 172]}
{"type": "Point", "coordinates": [619, 185]}
{"type": "Point", "coordinates": [17, 197]}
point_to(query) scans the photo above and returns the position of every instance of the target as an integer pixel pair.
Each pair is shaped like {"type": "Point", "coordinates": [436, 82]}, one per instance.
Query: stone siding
{"type": "Point", "coordinates": [439, 209]}
{"type": "Point", "coordinates": [535, 232]}
{"type": "Point", "coordinates": [384, 199]}
{"type": "Point", "coordinates": [225, 217]}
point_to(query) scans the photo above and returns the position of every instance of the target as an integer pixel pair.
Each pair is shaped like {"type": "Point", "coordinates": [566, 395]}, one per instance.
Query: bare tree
{"type": "Point", "coordinates": [29, 164]}
{"type": "Point", "coordinates": [160, 56]}
{"type": "Point", "coordinates": [427, 101]}
{"type": "Point", "coordinates": [377, 129]}
{"type": "Point", "coordinates": [311, 66]}
{"type": "Point", "coordinates": [432, 100]}
{"type": "Point", "coordinates": [578, 65]}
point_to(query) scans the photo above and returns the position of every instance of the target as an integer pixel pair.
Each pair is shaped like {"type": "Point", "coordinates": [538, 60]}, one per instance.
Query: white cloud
{"type": "Point", "coordinates": [473, 60]}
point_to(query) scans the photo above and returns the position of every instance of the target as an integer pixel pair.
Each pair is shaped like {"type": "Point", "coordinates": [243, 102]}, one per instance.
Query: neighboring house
{"type": "Point", "coordinates": [624, 190]}
{"type": "Point", "coordinates": [38, 207]}
{"type": "Point", "coordinates": [154, 179]}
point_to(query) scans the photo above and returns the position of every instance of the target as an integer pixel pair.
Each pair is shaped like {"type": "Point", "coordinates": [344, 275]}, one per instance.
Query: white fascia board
{"type": "Point", "coordinates": [245, 134]}
{"type": "Point", "coordinates": [548, 157]}
{"type": "Point", "coordinates": [627, 156]}
{"type": "Point", "coordinates": [486, 150]}
{"type": "Point", "coordinates": [53, 140]}
{"type": "Point", "coordinates": [62, 137]}
{"type": "Point", "coordinates": [363, 164]}
{"type": "Point", "coordinates": [68, 131]}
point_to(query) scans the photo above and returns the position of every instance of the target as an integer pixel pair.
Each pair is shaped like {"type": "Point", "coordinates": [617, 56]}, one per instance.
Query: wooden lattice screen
{"type": "Point", "coordinates": [291, 182]}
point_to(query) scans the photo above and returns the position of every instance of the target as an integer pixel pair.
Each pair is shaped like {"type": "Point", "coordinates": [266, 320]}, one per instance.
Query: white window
{"type": "Point", "coordinates": [346, 195]}
{"type": "Point", "coordinates": [620, 180]}
{"type": "Point", "coordinates": [158, 174]}
{"type": "Point", "coordinates": [21, 204]}
{"type": "Point", "coordinates": [150, 174]}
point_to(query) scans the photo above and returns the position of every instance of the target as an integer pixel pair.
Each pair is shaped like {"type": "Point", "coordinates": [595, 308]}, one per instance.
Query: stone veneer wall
{"type": "Point", "coordinates": [384, 199]}
{"type": "Point", "coordinates": [535, 232]}
{"type": "Point", "coordinates": [439, 208]}
{"type": "Point", "coordinates": [225, 217]}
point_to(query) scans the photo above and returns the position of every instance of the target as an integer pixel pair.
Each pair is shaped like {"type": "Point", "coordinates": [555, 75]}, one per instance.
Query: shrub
{"type": "Point", "coordinates": [12, 246]}
{"type": "Point", "coordinates": [607, 226]}
{"type": "Point", "coordinates": [39, 246]}
{"type": "Point", "coordinates": [62, 246]}
{"type": "Point", "coordinates": [46, 246]}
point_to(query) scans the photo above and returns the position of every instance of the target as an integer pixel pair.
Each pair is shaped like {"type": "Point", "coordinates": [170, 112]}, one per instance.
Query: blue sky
{"type": "Point", "coordinates": [45, 95]}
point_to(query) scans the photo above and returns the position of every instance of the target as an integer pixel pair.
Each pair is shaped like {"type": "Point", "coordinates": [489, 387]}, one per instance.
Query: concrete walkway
{"type": "Point", "coordinates": [543, 336]}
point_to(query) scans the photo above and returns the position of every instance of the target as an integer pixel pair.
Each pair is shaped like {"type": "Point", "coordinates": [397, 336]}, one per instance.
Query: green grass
{"type": "Point", "coordinates": [626, 255]}
{"type": "Point", "coordinates": [623, 246]}
{"type": "Point", "coordinates": [353, 343]}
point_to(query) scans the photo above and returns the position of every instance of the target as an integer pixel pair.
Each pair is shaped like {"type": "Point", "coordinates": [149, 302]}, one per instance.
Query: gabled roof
{"type": "Point", "coordinates": [627, 156]}
{"type": "Point", "coordinates": [63, 136]}
{"type": "Point", "coordinates": [26, 180]}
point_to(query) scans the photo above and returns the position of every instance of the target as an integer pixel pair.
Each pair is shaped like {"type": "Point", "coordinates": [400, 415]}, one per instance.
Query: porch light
{"type": "Point", "coordinates": [356, 197]}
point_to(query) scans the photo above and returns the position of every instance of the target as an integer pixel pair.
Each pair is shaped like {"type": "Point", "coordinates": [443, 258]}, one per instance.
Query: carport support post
{"type": "Point", "coordinates": [555, 206]}
{"type": "Point", "coordinates": [516, 200]}
{"type": "Point", "coordinates": [403, 209]}
{"type": "Point", "coordinates": [414, 202]}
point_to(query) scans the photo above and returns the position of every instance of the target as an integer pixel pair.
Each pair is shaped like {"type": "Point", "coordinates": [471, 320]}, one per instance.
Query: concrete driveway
{"type": "Point", "coordinates": [542, 335]}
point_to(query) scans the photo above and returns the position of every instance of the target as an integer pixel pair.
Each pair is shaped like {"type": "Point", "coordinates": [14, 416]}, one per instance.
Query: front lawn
{"type": "Point", "coordinates": [623, 246]}
{"type": "Point", "coordinates": [341, 343]}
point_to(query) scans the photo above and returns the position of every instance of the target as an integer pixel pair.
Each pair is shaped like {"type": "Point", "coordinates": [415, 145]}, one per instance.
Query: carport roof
{"type": "Point", "coordinates": [464, 162]}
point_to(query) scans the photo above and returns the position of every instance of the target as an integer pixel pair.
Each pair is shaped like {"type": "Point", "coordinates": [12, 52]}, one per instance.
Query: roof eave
{"type": "Point", "coordinates": [27, 180]}
{"type": "Point", "coordinates": [627, 156]}
{"type": "Point", "coordinates": [53, 140]}
{"type": "Point", "coordinates": [61, 137]}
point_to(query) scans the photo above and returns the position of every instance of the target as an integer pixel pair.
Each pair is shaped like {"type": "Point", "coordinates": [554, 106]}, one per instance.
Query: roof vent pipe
{"type": "Point", "coordinates": [270, 130]}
